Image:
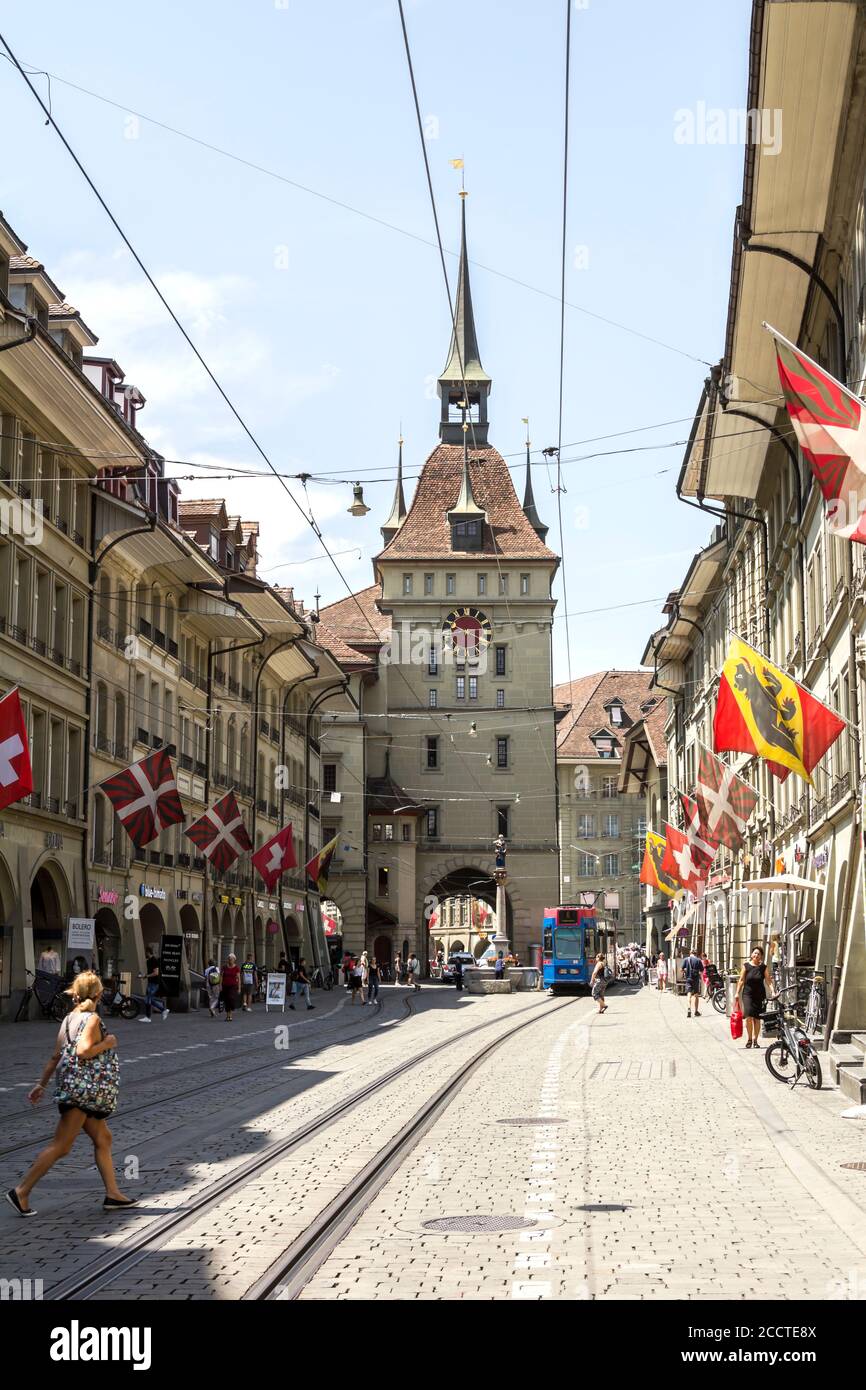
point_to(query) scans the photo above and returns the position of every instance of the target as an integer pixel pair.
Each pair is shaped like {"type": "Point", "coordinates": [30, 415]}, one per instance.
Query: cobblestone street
{"type": "Point", "coordinates": [583, 1150]}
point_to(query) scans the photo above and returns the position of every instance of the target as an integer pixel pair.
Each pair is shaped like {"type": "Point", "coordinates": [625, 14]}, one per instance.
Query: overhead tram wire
{"type": "Point", "coordinates": [562, 334]}
{"type": "Point", "coordinates": [345, 207]}
{"type": "Point", "coordinates": [309, 519]}
{"type": "Point", "coordinates": [452, 308]}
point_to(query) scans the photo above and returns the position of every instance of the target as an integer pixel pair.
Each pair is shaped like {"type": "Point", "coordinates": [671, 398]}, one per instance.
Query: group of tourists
{"type": "Point", "coordinates": [226, 983]}
{"type": "Point", "coordinates": [363, 974]}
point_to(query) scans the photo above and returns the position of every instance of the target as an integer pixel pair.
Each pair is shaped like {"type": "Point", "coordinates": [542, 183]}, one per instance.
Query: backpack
{"type": "Point", "coordinates": [212, 976]}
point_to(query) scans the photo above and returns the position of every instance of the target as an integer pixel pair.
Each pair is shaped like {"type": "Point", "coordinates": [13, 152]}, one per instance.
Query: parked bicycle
{"type": "Point", "coordinates": [48, 991]}
{"type": "Point", "coordinates": [115, 1002]}
{"type": "Point", "coordinates": [716, 992]}
{"type": "Point", "coordinates": [320, 981]}
{"type": "Point", "coordinates": [792, 1055]}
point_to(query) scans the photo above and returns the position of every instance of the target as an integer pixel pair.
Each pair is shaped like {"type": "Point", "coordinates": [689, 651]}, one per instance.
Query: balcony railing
{"type": "Point", "coordinates": [154, 856]}
{"type": "Point", "coordinates": [184, 861]}
{"type": "Point", "coordinates": [198, 863]}
{"type": "Point", "coordinates": [105, 633]}
{"type": "Point", "coordinates": [172, 647]}
{"type": "Point", "coordinates": [186, 762]}
{"type": "Point", "coordinates": [839, 789]}
{"type": "Point", "coordinates": [62, 524]}
{"type": "Point", "coordinates": [144, 628]}
{"type": "Point", "coordinates": [73, 665]}
{"type": "Point", "coordinates": [261, 805]}
{"type": "Point", "coordinates": [18, 634]}
{"type": "Point", "coordinates": [142, 736]}
{"type": "Point", "coordinates": [56, 656]}
{"type": "Point", "coordinates": [234, 686]}
{"type": "Point", "coordinates": [219, 675]}
{"type": "Point", "coordinates": [200, 769]}
{"type": "Point", "coordinates": [101, 856]}
{"type": "Point", "coordinates": [187, 673]}
{"type": "Point", "coordinates": [159, 638]}
{"type": "Point", "coordinates": [71, 810]}
{"type": "Point", "coordinates": [78, 538]}
{"type": "Point", "coordinates": [264, 728]}
{"type": "Point", "coordinates": [246, 692]}
{"type": "Point", "coordinates": [37, 645]}
{"type": "Point", "coordinates": [273, 811]}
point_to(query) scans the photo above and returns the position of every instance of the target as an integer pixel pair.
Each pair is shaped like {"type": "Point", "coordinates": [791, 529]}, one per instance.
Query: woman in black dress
{"type": "Point", "coordinates": [752, 989]}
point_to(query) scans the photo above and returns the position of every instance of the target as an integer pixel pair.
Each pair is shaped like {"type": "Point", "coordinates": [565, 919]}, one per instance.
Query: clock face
{"type": "Point", "coordinates": [470, 629]}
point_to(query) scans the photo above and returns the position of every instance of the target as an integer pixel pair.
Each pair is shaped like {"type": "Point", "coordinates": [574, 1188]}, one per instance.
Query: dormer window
{"type": "Point", "coordinates": [466, 535]}
{"type": "Point", "coordinates": [616, 714]}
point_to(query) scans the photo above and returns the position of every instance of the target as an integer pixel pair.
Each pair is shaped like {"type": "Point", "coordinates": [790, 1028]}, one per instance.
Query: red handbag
{"type": "Point", "coordinates": [737, 1022]}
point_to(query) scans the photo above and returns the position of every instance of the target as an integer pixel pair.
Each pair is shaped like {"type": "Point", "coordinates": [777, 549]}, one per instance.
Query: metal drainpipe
{"type": "Point", "coordinates": [329, 690]}
{"type": "Point", "coordinates": [92, 574]}
{"type": "Point", "coordinates": [221, 651]}
{"type": "Point", "coordinates": [294, 685]}
{"type": "Point", "coordinates": [27, 337]}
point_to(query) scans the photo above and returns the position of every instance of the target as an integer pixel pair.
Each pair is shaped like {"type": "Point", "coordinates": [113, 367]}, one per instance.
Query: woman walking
{"type": "Point", "coordinates": [364, 963]}
{"type": "Point", "coordinates": [212, 980]}
{"type": "Point", "coordinates": [374, 976]}
{"type": "Point", "coordinates": [231, 983]}
{"type": "Point", "coordinates": [356, 981]}
{"type": "Point", "coordinates": [662, 972]}
{"type": "Point", "coordinates": [752, 989]}
{"type": "Point", "coordinates": [599, 983]}
{"type": "Point", "coordinates": [85, 1063]}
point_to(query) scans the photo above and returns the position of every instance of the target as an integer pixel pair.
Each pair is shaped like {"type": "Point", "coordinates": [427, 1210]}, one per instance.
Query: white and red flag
{"type": "Point", "coordinates": [683, 862]}
{"type": "Point", "coordinates": [830, 425]}
{"type": "Point", "coordinates": [220, 833]}
{"type": "Point", "coordinates": [724, 800]}
{"type": "Point", "coordinates": [145, 797]}
{"type": "Point", "coordinates": [16, 774]}
{"type": "Point", "coordinates": [696, 831]}
{"type": "Point", "coordinates": [275, 856]}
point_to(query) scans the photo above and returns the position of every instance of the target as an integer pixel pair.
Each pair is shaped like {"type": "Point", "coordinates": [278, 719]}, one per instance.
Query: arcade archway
{"type": "Point", "coordinates": [49, 908]}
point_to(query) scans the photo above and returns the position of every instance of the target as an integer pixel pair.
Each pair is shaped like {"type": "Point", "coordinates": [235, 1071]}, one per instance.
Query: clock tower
{"type": "Point", "coordinates": [462, 720]}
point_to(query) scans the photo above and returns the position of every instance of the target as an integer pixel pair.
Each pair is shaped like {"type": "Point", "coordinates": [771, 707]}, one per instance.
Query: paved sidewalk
{"type": "Point", "coordinates": [667, 1164]}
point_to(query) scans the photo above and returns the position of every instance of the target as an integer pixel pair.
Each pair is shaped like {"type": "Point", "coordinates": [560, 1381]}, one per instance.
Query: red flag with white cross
{"type": "Point", "coordinates": [682, 862]}
{"type": "Point", "coordinates": [16, 774]}
{"type": "Point", "coordinates": [275, 856]}
{"type": "Point", "coordinates": [220, 833]}
{"type": "Point", "coordinates": [145, 797]}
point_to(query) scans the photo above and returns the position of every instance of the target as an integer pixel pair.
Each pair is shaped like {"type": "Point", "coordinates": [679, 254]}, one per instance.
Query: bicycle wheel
{"type": "Point", "coordinates": [60, 1006]}
{"type": "Point", "coordinates": [129, 1009]}
{"type": "Point", "coordinates": [720, 1003]}
{"type": "Point", "coordinates": [780, 1062]}
{"type": "Point", "coordinates": [811, 1066]}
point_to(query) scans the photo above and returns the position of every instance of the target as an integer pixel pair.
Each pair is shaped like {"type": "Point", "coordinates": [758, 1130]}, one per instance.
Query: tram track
{"type": "Point", "coordinates": [327, 1228]}
{"type": "Point", "coordinates": [162, 1101]}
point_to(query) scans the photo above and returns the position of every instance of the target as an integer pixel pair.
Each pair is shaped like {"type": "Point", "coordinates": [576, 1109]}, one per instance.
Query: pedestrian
{"type": "Point", "coordinates": [152, 987]}
{"type": "Point", "coordinates": [693, 972]}
{"type": "Point", "coordinates": [356, 980]}
{"type": "Point", "coordinates": [348, 963]}
{"type": "Point", "coordinates": [248, 981]}
{"type": "Point", "coordinates": [499, 967]}
{"type": "Point", "coordinates": [231, 980]}
{"type": "Point", "coordinates": [84, 1065]}
{"type": "Point", "coordinates": [364, 964]}
{"type": "Point", "coordinates": [283, 965]}
{"type": "Point", "coordinates": [374, 975]}
{"type": "Point", "coordinates": [398, 969]}
{"type": "Point", "coordinates": [457, 970]}
{"type": "Point", "coordinates": [212, 980]}
{"type": "Point", "coordinates": [752, 989]}
{"type": "Point", "coordinates": [707, 967]}
{"type": "Point", "coordinates": [662, 972]}
{"type": "Point", "coordinates": [301, 984]}
{"type": "Point", "coordinates": [599, 983]}
{"type": "Point", "coordinates": [413, 968]}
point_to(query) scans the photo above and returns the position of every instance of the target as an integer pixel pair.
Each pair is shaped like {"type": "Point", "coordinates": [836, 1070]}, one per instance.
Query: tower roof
{"type": "Point", "coordinates": [529, 508]}
{"type": "Point", "coordinates": [464, 360]}
{"type": "Point", "coordinates": [398, 509]}
{"type": "Point", "coordinates": [426, 533]}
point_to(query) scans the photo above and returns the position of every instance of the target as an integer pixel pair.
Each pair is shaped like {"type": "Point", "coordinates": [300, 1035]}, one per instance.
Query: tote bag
{"type": "Point", "coordinates": [91, 1083]}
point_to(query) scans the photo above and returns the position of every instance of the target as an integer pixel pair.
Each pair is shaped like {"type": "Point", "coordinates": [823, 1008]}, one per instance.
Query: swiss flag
{"type": "Point", "coordinates": [16, 774]}
{"type": "Point", "coordinates": [275, 856]}
{"type": "Point", "coordinates": [685, 864]}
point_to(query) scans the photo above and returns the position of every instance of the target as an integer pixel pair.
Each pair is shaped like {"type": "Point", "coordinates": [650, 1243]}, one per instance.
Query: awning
{"type": "Point", "coordinates": [783, 883]}
{"type": "Point", "coordinates": [210, 616]}
{"type": "Point", "coordinates": [174, 556]}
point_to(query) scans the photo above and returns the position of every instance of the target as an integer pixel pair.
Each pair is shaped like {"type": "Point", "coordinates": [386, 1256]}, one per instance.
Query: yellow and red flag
{"type": "Point", "coordinates": [651, 869]}
{"type": "Point", "coordinates": [761, 710]}
{"type": "Point", "coordinates": [319, 867]}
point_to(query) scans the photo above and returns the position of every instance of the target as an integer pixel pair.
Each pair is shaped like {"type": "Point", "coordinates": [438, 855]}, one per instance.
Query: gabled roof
{"type": "Point", "coordinates": [589, 697]}
{"type": "Point", "coordinates": [426, 534]}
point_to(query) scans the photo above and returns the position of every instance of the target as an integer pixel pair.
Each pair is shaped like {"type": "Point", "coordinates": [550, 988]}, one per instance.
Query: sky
{"type": "Point", "coordinates": [312, 285]}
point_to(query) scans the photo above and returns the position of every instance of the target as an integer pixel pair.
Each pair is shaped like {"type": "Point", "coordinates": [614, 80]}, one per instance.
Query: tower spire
{"type": "Point", "coordinates": [398, 508]}
{"type": "Point", "coordinates": [529, 508]}
{"type": "Point", "coordinates": [464, 359]}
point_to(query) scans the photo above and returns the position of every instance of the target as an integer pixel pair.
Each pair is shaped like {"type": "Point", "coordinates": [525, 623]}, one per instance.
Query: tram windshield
{"type": "Point", "coordinates": [569, 941]}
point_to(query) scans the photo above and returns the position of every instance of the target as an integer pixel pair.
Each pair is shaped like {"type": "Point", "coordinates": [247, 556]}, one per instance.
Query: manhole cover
{"type": "Point", "coordinates": [858, 1167]}
{"type": "Point", "coordinates": [477, 1223]}
{"type": "Point", "coordinates": [531, 1120]}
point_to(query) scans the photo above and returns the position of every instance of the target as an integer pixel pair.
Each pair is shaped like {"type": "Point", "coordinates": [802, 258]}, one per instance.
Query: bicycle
{"type": "Point", "coordinates": [114, 1002]}
{"type": "Point", "coordinates": [792, 1055]}
{"type": "Point", "coordinates": [49, 993]}
{"type": "Point", "coordinates": [320, 981]}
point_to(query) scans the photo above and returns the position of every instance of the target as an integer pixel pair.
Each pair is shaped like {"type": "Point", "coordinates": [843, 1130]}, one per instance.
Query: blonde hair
{"type": "Point", "coordinates": [86, 989]}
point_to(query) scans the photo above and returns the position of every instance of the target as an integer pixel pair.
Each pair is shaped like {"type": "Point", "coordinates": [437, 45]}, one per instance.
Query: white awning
{"type": "Point", "coordinates": [783, 883]}
{"type": "Point", "coordinates": [210, 616]}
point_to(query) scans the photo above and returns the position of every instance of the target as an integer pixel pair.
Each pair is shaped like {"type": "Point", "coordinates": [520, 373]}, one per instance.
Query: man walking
{"type": "Point", "coordinates": [152, 987]}
{"type": "Point", "coordinates": [413, 967]}
{"type": "Point", "coordinates": [693, 971]}
{"type": "Point", "coordinates": [302, 983]}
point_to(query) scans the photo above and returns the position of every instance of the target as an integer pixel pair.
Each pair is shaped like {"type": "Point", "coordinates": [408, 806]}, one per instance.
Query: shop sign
{"type": "Point", "coordinates": [822, 857]}
{"type": "Point", "coordinates": [272, 907]}
{"type": "Point", "coordinates": [191, 935]}
{"type": "Point", "coordinates": [181, 893]}
{"type": "Point", "coordinates": [198, 897]}
{"type": "Point", "coordinates": [237, 901]}
{"type": "Point", "coordinates": [108, 895]}
{"type": "Point", "coordinates": [147, 890]}
{"type": "Point", "coordinates": [223, 897]}
{"type": "Point", "coordinates": [169, 964]}
{"type": "Point", "coordinates": [79, 935]}
{"type": "Point", "coordinates": [53, 839]}
{"type": "Point", "coordinates": [261, 904]}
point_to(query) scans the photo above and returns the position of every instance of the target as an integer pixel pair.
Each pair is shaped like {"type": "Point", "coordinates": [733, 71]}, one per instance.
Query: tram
{"type": "Point", "coordinates": [571, 938]}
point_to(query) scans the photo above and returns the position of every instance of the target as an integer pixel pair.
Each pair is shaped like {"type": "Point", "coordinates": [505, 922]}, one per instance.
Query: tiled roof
{"type": "Point", "coordinates": [384, 796]}
{"type": "Point", "coordinates": [25, 263]}
{"type": "Point", "coordinates": [425, 534]}
{"type": "Point", "coordinates": [357, 619]}
{"type": "Point", "coordinates": [201, 506]}
{"type": "Point", "coordinates": [654, 724]}
{"type": "Point", "coordinates": [588, 696]}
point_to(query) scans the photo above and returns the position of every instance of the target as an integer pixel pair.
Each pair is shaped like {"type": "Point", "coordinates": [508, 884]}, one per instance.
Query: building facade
{"type": "Point", "coordinates": [601, 823]}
